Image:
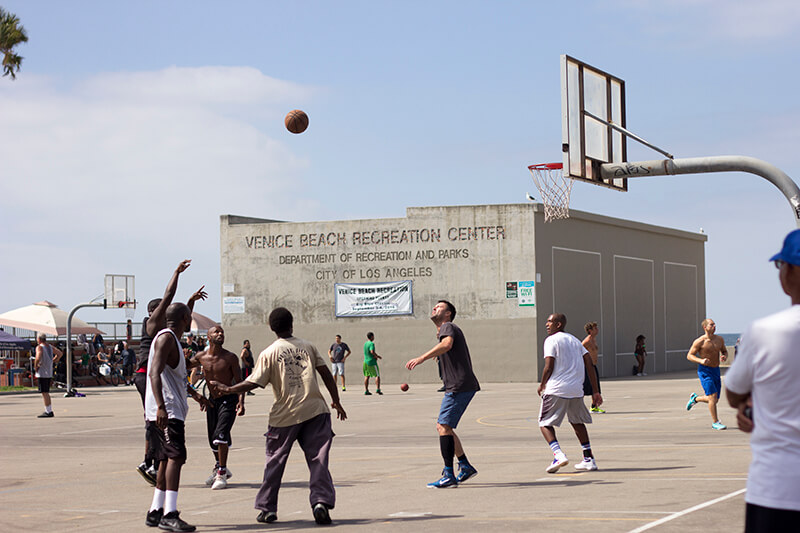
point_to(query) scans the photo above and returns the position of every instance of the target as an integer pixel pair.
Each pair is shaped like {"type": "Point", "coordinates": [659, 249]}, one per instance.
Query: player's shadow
{"type": "Point", "coordinates": [280, 525]}
{"type": "Point", "coordinates": [564, 482]}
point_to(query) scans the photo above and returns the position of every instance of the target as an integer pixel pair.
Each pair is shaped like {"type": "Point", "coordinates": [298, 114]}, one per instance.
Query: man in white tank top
{"type": "Point", "coordinates": [43, 366]}
{"type": "Point", "coordinates": [166, 407]}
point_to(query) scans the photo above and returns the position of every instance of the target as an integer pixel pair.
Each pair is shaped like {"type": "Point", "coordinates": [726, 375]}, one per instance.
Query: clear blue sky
{"type": "Point", "coordinates": [133, 125]}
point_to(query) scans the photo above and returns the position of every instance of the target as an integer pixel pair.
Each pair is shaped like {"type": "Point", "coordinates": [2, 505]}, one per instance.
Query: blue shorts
{"type": "Point", "coordinates": [709, 378]}
{"type": "Point", "coordinates": [453, 406]}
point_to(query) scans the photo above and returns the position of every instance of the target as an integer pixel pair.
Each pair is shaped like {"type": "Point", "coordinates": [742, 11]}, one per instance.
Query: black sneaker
{"type": "Point", "coordinates": [172, 522]}
{"type": "Point", "coordinates": [442, 389]}
{"type": "Point", "coordinates": [266, 517]}
{"type": "Point", "coordinates": [154, 517]}
{"type": "Point", "coordinates": [145, 473]}
{"type": "Point", "coordinates": [321, 515]}
{"type": "Point", "coordinates": [46, 415]}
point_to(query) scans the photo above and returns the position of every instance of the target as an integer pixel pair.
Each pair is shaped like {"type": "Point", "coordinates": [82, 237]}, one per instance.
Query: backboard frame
{"type": "Point", "coordinates": [120, 291]}
{"type": "Point", "coordinates": [588, 93]}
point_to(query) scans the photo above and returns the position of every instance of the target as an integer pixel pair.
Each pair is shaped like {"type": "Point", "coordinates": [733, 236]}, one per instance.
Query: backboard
{"type": "Point", "coordinates": [588, 93]}
{"type": "Point", "coordinates": [120, 291]}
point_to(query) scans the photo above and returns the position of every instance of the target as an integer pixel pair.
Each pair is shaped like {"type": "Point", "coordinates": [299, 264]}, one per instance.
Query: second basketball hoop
{"type": "Point", "coordinates": [554, 187]}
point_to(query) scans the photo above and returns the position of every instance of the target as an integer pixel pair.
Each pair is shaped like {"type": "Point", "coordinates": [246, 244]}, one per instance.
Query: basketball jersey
{"type": "Point", "coordinates": [46, 367]}
{"type": "Point", "coordinates": [173, 384]}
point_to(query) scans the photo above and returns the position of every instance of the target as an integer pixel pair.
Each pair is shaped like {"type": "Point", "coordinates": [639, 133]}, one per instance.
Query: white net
{"type": "Point", "coordinates": [555, 189]}
{"type": "Point", "coordinates": [130, 312]}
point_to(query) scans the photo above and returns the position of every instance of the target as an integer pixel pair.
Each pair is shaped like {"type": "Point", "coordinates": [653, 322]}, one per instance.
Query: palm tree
{"type": "Point", "coordinates": [11, 34]}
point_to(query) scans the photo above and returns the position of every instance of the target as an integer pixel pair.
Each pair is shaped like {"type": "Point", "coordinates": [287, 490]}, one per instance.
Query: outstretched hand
{"type": "Point", "coordinates": [199, 295]}
{"type": "Point", "coordinates": [217, 388]}
{"type": "Point", "coordinates": [412, 363]}
{"type": "Point", "coordinates": [183, 265]}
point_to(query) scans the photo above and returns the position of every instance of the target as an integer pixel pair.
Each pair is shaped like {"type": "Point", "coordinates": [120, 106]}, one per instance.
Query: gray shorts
{"type": "Point", "coordinates": [553, 409]}
{"type": "Point", "coordinates": [337, 369]}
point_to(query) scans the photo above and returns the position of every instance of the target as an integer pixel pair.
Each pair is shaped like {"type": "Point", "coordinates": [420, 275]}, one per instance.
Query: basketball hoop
{"type": "Point", "coordinates": [554, 188]}
{"type": "Point", "coordinates": [129, 307]}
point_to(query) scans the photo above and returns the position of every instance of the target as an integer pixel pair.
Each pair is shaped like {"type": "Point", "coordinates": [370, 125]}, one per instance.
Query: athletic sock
{"type": "Point", "coordinates": [158, 500]}
{"type": "Point", "coordinates": [462, 460]}
{"type": "Point", "coordinates": [587, 449]}
{"type": "Point", "coordinates": [555, 447]}
{"type": "Point", "coordinates": [448, 446]}
{"type": "Point", "coordinates": [48, 408]}
{"type": "Point", "coordinates": [171, 501]}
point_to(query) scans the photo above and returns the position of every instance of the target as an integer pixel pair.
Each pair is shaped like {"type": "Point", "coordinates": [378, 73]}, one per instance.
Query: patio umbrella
{"type": "Point", "coordinates": [45, 317]}
{"type": "Point", "coordinates": [201, 323]}
{"type": "Point", "coordinates": [12, 343]}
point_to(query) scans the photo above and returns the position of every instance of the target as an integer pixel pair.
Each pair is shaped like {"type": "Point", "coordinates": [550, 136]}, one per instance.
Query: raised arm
{"type": "Point", "coordinates": [158, 318]}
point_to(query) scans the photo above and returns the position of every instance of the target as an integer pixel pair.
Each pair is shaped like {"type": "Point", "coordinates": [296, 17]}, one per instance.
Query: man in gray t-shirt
{"type": "Point", "coordinates": [460, 386]}
{"type": "Point", "coordinates": [338, 352]}
{"type": "Point", "coordinates": [43, 366]}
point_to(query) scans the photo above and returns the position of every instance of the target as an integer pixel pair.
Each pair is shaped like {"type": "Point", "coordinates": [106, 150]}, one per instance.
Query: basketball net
{"type": "Point", "coordinates": [554, 188]}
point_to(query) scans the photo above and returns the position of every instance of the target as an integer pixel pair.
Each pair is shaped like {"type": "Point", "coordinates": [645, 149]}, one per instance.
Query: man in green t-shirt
{"type": "Point", "coordinates": [371, 365]}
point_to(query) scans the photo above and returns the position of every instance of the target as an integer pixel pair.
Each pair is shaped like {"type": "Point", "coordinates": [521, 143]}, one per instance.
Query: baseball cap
{"type": "Point", "coordinates": [790, 253]}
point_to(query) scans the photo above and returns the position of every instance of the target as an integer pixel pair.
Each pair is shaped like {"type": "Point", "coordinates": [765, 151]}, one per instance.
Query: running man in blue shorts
{"type": "Point", "coordinates": [706, 352]}
{"type": "Point", "coordinates": [460, 386]}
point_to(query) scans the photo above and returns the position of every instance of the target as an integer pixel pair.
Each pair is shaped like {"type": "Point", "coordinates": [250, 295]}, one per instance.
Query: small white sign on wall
{"type": "Point", "coordinates": [233, 305]}
{"type": "Point", "coordinates": [527, 296]}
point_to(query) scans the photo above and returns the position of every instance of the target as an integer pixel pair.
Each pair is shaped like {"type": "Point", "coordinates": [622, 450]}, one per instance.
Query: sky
{"type": "Point", "coordinates": [132, 126]}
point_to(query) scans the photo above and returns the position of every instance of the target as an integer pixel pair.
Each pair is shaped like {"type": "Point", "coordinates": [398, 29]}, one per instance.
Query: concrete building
{"type": "Point", "coordinates": [503, 268]}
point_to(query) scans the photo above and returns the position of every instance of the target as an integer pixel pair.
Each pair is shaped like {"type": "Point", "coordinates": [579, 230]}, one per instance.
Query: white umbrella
{"type": "Point", "coordinates": [45, 317]}
{"type": "Point", "coordinates": [201, 323]}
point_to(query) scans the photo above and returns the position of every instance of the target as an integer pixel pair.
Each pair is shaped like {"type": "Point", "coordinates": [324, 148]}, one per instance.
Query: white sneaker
{"type": "Point", "coordinates": [220, 482]}
{"type": "Point", "coordinates": [587, 464]}
{"type": "Point", "coordinates": [558, 461]}
{"type": "Point", "coordinates": [210, 479]}
{"type": "Point", "coordinates": [643, 374]}
{"type": "Point", "coordinates": [213, 477]}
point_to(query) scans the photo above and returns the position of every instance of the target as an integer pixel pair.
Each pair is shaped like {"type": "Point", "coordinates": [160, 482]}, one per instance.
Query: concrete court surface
{"type": "Point", "coordinates": [75, 472]}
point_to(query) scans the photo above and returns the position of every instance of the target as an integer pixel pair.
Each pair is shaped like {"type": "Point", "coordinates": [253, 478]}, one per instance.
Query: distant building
{"type": "Point", "coordinates": [503, 268]}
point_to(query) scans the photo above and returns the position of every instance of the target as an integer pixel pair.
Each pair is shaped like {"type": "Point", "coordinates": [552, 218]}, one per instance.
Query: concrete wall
{"type": "Point", "coordinates": [465, 254]}
{"type": "Point", "coordinates": [630, 278]}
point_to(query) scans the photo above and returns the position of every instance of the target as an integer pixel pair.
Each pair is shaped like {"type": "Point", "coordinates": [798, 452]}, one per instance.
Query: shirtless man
{"type": "Point", "coordinates": [220, 365]}
{"type": "Point", "coordinates": [705, 352]}
{"type": "Point", "coordinates": [590, 343]}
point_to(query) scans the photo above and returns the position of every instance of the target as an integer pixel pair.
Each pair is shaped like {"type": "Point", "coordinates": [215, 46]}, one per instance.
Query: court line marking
{"type": "Point", "coordinates": [686, 511]}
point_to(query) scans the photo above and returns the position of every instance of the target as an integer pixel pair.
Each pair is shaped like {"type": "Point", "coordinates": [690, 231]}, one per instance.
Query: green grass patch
{"type": "Point", "coordinates": [9, 388]}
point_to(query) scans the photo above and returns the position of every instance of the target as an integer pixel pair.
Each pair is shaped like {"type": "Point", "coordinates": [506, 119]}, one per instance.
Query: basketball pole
{"type": "Point", "coordinates": [70, 391]}
{"type": "Point", "coordinates": [699, 165]}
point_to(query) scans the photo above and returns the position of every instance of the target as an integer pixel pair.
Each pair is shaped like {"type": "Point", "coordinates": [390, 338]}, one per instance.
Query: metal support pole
{"type": "Point", "coordinates": [70, 392]}
{"type": "Point", "coordinates": [698, 165]}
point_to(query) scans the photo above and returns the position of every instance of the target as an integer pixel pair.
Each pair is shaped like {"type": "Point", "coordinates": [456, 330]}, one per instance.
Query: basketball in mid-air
{"type": "Point", "coordinates": [296, 121]}
{"type": "Point", "coordinates": [404, 387]}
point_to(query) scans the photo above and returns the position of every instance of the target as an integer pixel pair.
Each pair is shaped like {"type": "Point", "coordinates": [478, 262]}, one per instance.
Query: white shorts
{"type": "Point", "coordinates": [553, 409]}
{"type": "Point", "coordinates": [337, 369]}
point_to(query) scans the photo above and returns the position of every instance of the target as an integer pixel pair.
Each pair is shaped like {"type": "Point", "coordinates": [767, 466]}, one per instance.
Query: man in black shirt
{"type": "Point", "coordinates": [460, 386]}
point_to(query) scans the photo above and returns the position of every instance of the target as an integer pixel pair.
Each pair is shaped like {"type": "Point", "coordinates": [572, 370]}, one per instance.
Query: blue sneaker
{"type": "Point", "coordinates": [447, 480]}
{"type": "Point", "coordinates": [719, 425]}
{"type": "Point", "coordinates": [465, 471]}
{"type": "Point", "coordinates": [692, 401]}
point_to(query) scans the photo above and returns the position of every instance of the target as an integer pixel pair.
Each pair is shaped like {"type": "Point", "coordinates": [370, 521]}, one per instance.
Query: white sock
{"type": "Point", "coordinates": [158, 500]}
{"type": "Point", "coordinates": [171, 502]}
{"type": "Point", "coordinates": [48, 408]}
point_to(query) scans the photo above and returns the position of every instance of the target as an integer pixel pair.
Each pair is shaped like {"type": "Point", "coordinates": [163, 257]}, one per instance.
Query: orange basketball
{"type": "Point", "coordinates": [296, 121]}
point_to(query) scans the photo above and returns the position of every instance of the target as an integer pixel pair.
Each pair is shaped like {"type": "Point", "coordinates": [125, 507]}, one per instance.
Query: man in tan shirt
{"type": "Point", "coordinates": [299, 413]}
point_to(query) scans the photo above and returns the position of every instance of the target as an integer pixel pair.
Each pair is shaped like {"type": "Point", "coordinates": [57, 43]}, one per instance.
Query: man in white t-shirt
{"type": "Point", "coordinates": [299, 413]}
{"type": "Point", "coordinates": [762, 384]}
{"type": "Point", "coordinates": [561, 389]}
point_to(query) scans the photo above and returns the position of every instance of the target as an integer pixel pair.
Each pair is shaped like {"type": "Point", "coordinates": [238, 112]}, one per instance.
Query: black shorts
{"type": "Point", "coordinates": [169, 443]}
{"type": "Point", "coordinates": [44, 384]}
{"type": "Point", "coordinates": [220, 419]}
{"type": "Point", "coordinates": [140, 381]}
{"type": "Point", "coordinates": [587, 385]}
{"type": "Point", "coordinates": [758, 519]}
